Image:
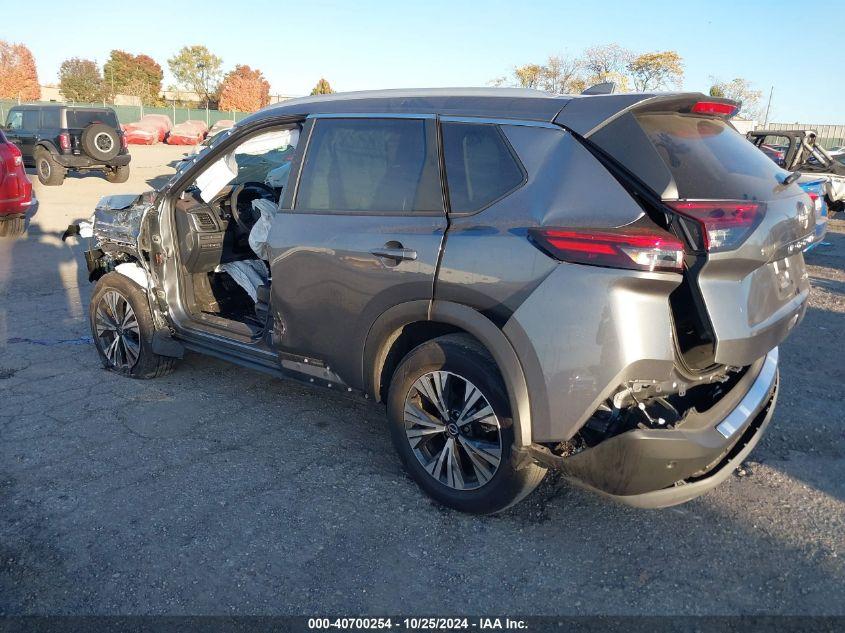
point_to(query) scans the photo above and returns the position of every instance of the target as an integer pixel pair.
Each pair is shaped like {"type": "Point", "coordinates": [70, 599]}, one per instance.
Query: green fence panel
{"type": "Point", "coordinates": [130, 114]}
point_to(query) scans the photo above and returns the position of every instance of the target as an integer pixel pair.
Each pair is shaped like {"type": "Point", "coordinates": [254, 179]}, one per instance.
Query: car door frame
{"type": "Point", "coordinates": [357, 381]}
{"type": "Point", "coordinates": [158, 233]}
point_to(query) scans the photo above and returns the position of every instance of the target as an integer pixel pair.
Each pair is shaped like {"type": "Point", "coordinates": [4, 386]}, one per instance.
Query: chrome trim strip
{"type": "Point", "coordinates": [369, 115]}
{"type": "Point", "coordinates": [753, 399]}
{"type": "Point", "coordinates": [521, 122]}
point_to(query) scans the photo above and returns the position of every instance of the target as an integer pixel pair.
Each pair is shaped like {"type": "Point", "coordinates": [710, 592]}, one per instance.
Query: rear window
{"type": "Point", "coordinates": [480, 168]}
{"type": "Point", "coordinates": [84, 118]}
{"type": "Point", "coordinates": [709, 159]}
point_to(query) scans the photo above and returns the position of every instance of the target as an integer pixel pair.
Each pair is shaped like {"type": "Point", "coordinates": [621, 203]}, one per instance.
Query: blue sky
{"type": "Point", "coordinates": [369, 44]}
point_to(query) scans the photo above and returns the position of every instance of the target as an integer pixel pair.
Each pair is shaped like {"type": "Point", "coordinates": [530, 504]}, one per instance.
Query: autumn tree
{"type": "Point", "coordinates": [80, 80]}
{"type": "Point", "coordinates": [608, 62]}
{"type": "Point", "coordinates": [653, 71]}
{"type": "Point", "coordinates": [528, 75]}
{"type": "Point", "coordinates": [244, 90]}
{"type": "Point", "coordinates": [322, 88]}
{"type": "Point", "coordinates": [740, 90]}
{"type": "Point", "coordinates": [18, 75]}
{"type": "Point", "coordinates": [135, 75]}
{"type": "Point", "coordinates": [562, 75]}
{"type": "Point", "coordinates": [198, 69]}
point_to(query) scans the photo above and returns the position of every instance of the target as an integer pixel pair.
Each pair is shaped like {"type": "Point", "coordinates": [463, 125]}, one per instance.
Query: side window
{"type": "Point", "coordinates": [30, 119]}
{"type": "Point", "coordinates": [50, 118]}
{"type": "Point", "coordinates": [370, 165]}
{"type": "Point", "coordinates": [15, 121]}
{"type": "Point", "coordinates": [480, 166]}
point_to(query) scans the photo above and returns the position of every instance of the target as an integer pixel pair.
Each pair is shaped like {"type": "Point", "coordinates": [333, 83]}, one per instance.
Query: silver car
{"type": "Point", "coordinates": [595, 284]}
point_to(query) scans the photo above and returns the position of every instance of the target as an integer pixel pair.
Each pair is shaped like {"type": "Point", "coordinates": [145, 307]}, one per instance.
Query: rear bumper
{"type": "Point", "coordinates": [74, 161]}
{"type": "Point", "coordinates": [659, 468]}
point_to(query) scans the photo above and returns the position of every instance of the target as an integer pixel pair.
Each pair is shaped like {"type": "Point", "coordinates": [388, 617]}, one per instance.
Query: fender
{"type": "Point", "coordinates": [48, 145]}
{"type": "Point", "coordinates": [162, 343]}
{"type": "Point", "coordinates": [388, 326]}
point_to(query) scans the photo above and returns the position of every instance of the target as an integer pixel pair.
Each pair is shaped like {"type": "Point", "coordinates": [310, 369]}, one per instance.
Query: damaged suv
{"type": "Point", "coordinates": [596, 284]}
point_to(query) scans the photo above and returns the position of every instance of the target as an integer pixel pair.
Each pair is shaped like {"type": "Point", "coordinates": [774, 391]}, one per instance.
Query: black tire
{"type": "Point", "coordinates": [146, 363]}
{"type": "Point", "coordinates": [463, 357]}
{"type": "Point", "coordinates": [117, 174]}
{"type": "Point", "coordinates": [100, 141]}
{"type": "Point", "coordinates": [50, 173]}
{"type": "Point", "coordinates": [12, 227]}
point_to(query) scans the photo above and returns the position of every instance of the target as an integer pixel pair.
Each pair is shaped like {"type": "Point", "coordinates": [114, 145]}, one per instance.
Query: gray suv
{"type": "Point", "coordinates": [594, 284]}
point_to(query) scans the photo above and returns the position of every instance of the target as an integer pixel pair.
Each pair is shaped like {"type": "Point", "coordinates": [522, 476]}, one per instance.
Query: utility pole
{"type": "Point", "coordinates": [768, 107]}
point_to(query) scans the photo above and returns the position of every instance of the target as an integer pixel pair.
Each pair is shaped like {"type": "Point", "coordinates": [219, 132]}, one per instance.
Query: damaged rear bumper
{"type": "Point", "coordinates": [654, 468]}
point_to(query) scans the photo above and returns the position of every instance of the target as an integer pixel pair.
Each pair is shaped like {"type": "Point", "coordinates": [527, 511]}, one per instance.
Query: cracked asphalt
{"type": "Point", "coordinates": [218, 490]}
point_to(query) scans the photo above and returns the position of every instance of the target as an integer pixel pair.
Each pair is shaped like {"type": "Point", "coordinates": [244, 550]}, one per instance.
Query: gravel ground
{"type": "Point", "coordinates": [217, 490]}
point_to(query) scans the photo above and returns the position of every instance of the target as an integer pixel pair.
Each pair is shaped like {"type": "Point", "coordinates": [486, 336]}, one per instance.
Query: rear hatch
{"type": "Point", "coordinates": [78, 119]}
{"type": "Point", "coordinates": [745, 283]}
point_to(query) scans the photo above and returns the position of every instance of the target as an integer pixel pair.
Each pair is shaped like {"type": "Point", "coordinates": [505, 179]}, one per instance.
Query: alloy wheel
{"type": "Point", "coordinates": [117, 329]}
{"type": "Point", "coordinates": [104, 142]}
{"type": "Point", "coordinates": [453, 430]}
{"type": "Point", "coordinates": [44, 168]}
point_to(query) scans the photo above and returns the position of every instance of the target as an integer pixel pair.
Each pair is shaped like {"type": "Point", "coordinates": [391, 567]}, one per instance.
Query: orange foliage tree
{"type": "Point", "coordinates": [18, 76]}
{"type": "Point", "coordinates": [244, 90]}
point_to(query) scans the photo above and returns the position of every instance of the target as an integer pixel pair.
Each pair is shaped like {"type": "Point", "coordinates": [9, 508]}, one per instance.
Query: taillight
{"type": "Point", "coordinates": [626, 247]}
{"type": "Point", "coordinates": [64, 141]}
{"type": "Point", "coordinates": [725, 223]}
{"type": "Point", "coordinates": [123, 144]}
{"type": "Point", "coordinates": [817, 201]}
{"type": "Point", "coordinates": [715, 107]}
{"type": "Point", "coordinates": [14, 155]}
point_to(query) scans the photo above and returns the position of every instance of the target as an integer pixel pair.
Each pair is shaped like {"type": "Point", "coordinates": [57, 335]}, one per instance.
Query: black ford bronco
{"type": "Point", "coordinates": [56, 139]}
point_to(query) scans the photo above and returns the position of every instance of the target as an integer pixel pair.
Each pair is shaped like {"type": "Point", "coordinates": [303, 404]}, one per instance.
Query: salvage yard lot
{"type": "Point", "coordinates": [220, 490]}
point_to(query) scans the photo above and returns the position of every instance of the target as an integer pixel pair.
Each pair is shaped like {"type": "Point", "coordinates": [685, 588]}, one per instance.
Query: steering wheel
{"type": "Point", "coordinates": [236, 194]}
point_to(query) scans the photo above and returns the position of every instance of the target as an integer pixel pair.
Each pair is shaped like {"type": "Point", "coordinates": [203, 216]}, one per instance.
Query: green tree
{"type": "Point", "coordinates": [198, 69]}
{"type": "Point", "coordinates": [653, 71]}
{"type": "Point", "coordinates": [322, 88]}
{"type": "Point", "coordinates": [135, 75]}
{"type": "Point", "coordinates": [80, 80]}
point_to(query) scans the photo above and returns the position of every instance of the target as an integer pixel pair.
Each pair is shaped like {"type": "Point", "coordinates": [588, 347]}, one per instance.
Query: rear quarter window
{"type": "Point", "coordinates": [480, 166]}
{"type": "Point", "coordinates": [84, 118]}
{"type": "Point", "coordinates": [50, 118]}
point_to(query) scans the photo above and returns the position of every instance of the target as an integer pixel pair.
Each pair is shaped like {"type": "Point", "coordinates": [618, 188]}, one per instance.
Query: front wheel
{"type": "Point", "coordinates": [450, 421]}
{"type": "Point", "coordinates": [122, 328]}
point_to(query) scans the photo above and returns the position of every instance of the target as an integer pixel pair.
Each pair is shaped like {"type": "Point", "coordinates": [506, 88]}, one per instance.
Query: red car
{"type": "Point", "coordinates": [15, 190]}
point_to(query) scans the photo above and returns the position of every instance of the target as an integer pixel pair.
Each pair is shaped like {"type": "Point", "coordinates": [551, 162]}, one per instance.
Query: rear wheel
{"type": "Point", "coordinates": [117, 174]}
{"type": "Point", "coordinates": [450, 422]}
{"type": "Point", "coordinates": [122, 328]}
{"type": "Point", "coordinates": [12, 227]}
{"type": "Point", "coordinates": [49, 171]}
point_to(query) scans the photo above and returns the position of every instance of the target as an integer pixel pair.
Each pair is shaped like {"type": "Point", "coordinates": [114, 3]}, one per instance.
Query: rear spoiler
{"type": "Point", "coordinates": [585, 115]}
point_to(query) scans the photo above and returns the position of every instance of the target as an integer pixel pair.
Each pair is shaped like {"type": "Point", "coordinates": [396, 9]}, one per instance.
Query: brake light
{"type": "Point", "coordinates": [123, 144]}
{"type": "Point", "coordinates": [715, 107]}
{"type": "Point", "coordinates": [626, 247]}
{"type": "Point", "coordinates": [725, 223]}
{"type": "Point", "coordinates": [64, 141]}
{"type": "Point", "coordinates": [817, 201]}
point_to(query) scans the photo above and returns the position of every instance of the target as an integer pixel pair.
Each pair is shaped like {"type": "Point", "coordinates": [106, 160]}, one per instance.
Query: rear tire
{"type": "Point", "coordinates": [122, 328]}
{"type": "Point", "coordinates": [50, 173]}
{"type": "Point", "coordinates": [464, 459]}
{"type": "Point", "coordinates": [12, 227]}
{"type": "Point", "coordinates": [117, 174]}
